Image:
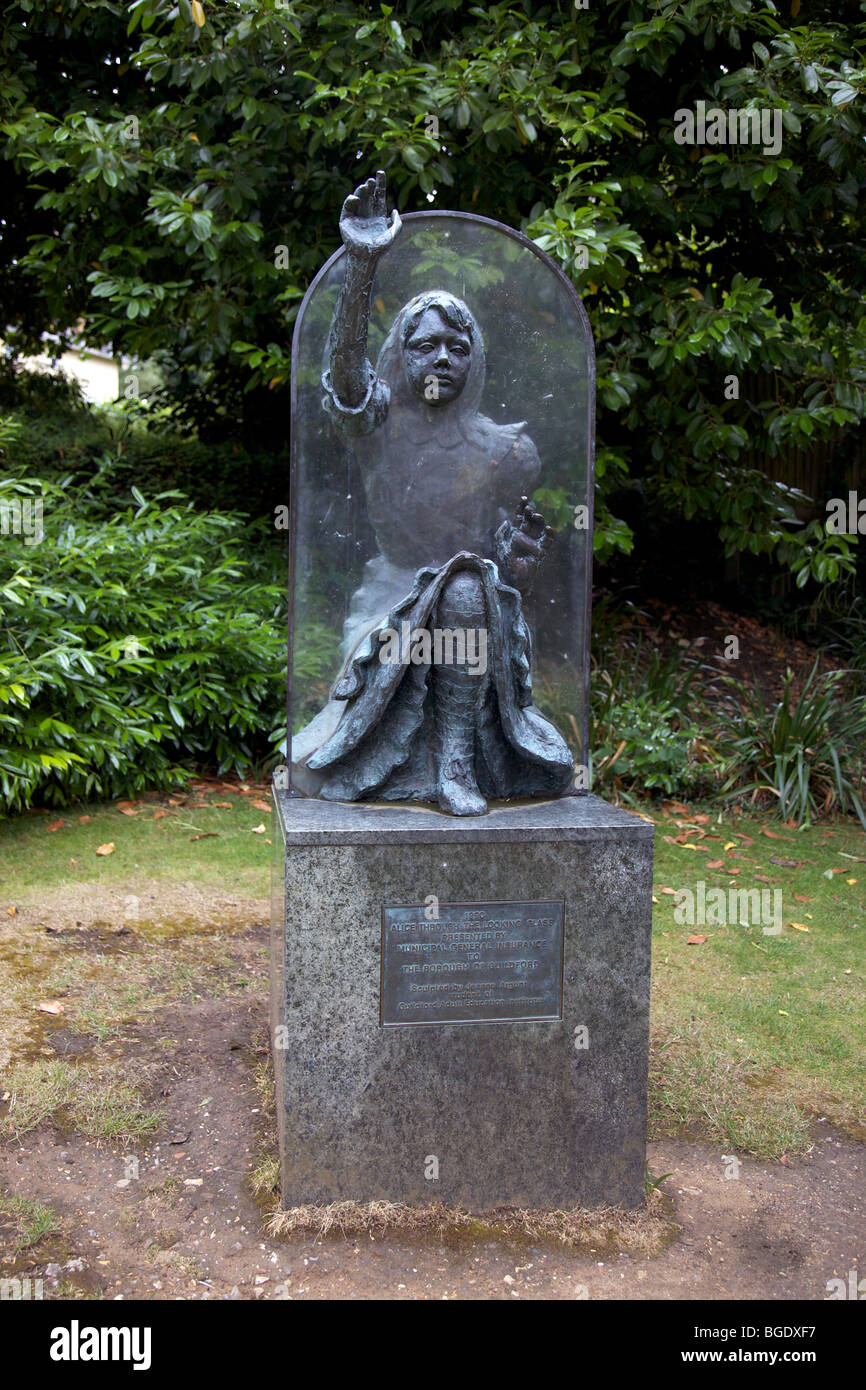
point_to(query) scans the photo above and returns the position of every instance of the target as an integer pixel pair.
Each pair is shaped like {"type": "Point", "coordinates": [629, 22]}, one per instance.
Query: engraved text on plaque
{"type": "Point", "coordinates": [473, 963]}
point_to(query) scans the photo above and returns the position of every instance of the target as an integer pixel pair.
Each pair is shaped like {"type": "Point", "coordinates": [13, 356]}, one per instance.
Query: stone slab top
{"type": "Point", "coordinates": [308, 821]}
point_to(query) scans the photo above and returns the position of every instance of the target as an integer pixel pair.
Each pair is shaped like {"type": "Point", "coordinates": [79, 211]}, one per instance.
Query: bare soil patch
{"type": "Point", "coordinates": [175, 1216]}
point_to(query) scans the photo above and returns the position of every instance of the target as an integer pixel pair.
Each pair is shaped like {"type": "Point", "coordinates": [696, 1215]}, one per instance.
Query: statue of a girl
{"type": "Point", "coordinates": [416, 713]}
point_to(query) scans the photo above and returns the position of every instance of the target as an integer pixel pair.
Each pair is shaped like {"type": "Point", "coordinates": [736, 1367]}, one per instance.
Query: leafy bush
{"type": "Point", "coordinates": [48, 431]}
{"type": "Point", "coordinates": [807, 753]}
{"type": "Point", "coordinates": [138, 641]}
{"type": "Point", "coordinates": [645, 724]}
{"type": "Point", "coordinates": [316, 660]}
{"type": "Point", "coordinates": [645, 744]}
{"type": "Point", "coordinates": [643, 734]}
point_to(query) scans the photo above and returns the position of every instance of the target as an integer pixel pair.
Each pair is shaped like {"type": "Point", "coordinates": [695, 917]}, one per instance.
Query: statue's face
{"type": "Point", "coordinates": [436, 359]}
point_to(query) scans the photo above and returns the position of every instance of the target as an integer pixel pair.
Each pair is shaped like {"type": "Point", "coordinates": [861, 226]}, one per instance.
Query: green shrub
{"type": "Point", "coordinates": [807, 754]}
{"type": "Point", "coordinates": [316, 662]}
{"type": "Point", "coordinates": [48, 431]}
{"type": "Point", "coordinates": [140, 640]}
{"type": "Point", "coordinates": [644, 744]}
{"type": "Point", "coordinates": [645, 728]}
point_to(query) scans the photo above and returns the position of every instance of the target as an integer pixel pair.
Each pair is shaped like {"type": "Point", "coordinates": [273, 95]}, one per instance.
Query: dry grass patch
{"type": "Point", "coordinates": [645, 1232]}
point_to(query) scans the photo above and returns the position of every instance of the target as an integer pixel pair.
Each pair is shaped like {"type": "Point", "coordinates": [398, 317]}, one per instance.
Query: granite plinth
{"type": "Point", "coordinates": [520, 1113]}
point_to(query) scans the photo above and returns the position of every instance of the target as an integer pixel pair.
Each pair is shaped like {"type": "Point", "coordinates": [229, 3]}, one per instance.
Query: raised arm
{"type": "Point", "coordinates": [367, 232]}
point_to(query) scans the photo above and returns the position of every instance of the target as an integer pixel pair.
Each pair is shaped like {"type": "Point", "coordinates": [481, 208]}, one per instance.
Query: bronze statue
{"type": "Point", "coordinates": [434, 700]}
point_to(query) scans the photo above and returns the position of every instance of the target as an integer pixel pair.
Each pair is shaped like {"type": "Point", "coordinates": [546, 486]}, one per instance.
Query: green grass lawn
{"type": "Point", "coordinates": [754, 1035]}
{"type": "Point", "coordinates": [212, 840]}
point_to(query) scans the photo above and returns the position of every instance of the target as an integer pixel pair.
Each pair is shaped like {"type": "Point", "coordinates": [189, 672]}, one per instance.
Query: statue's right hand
{"type": "Point", "coordinates": [364, 223]}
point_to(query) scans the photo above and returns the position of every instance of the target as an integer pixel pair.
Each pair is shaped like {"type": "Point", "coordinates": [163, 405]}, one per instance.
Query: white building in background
{"type": "Point", "coordinates": [97, 371]}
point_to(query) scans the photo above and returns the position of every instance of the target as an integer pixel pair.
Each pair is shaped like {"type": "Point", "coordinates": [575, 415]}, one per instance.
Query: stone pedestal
{"type": "Point", "coordinates": [544, 1111]}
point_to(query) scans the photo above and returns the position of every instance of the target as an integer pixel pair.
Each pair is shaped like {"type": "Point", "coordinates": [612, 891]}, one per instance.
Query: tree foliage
{"type": "Point", "coordinates": [159, 154]}
{"type": "Point", "coordinates": [138, 641]}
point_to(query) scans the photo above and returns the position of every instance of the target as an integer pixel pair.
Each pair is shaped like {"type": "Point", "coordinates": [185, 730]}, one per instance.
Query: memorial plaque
{"type": "Point", "coordinates": [473, 963]}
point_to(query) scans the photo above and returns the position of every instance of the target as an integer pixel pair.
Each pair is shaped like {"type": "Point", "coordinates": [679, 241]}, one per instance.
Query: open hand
{"type": "Point", "coordinates": [521, 544]}
{"type": "Point", "coordinates": [364, 223]}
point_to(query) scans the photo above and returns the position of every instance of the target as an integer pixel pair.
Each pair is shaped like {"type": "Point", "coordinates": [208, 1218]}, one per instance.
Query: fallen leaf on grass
{"type": "Point", "coordinates": [730, 845]}
{"type": "Point", "coordinates": [850, 880]}
{"type": "Point", "coordinates": [771, 834]}
{"type": "Point", "coordinates": [226, 804]}
{"type": "Point", "coordinates": [732, 869]}
{"type": "Point", "coordinates": [128, 810]}
{"type": "Point", "coordinates": [798, 926]}
{"type": "Point", "coordinates": [801, 898]}
{"type": "Point", "coordinates": [784, 1013]}
{"type": "Point", "coordinates": [160, 815]}
{"type": "Point", "coordinates": [787, 863]}
{"type": "Point", "coordinates": [715, 863]}
{"type": "Point", "coordinates": [206, 835]}
{"type": "Point", "coordinates": [106, 849]}
{"type": "Point", "coordinates": [258, 830]}
{"type": "Point", "coordinates": [672, 891]}
{"type": "Point", "coordinates": [260, 805]}
{"type": "Point", "coordinates": [51, 1006]}
{"type": "Point", "coordinates": [55, 825]}
{"type": "Point", "coordinates": [13, 911]}
{"type": "Point", "coordinates": [83, 820]}
{"type": "Point", "coordinates": [762, 878]}
{"type": "Point", "coordinates": [696, 941]}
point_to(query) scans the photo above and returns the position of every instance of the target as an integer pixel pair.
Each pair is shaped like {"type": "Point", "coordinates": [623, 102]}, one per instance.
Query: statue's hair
{"type": "Point", "coordinates": [453, 310]}
{"type": "Point", "coordinates": [456, 314]}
